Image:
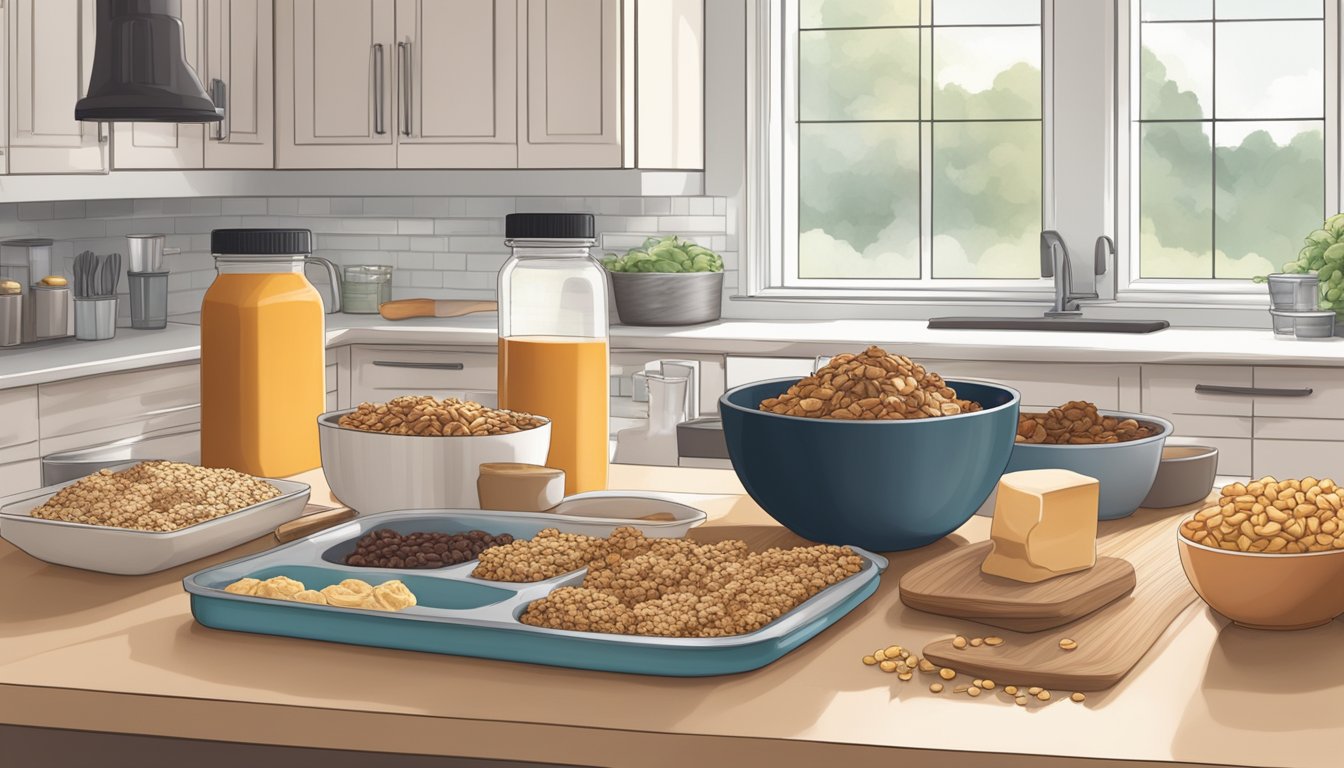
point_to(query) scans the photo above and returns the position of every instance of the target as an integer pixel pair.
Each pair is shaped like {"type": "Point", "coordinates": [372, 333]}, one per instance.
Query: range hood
{"type": "Point", "coordinates": [140, 70]}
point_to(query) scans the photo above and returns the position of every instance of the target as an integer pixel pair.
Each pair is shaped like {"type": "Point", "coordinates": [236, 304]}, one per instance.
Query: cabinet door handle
{"type": "Point", "coordinates": [219, 94]}
{"type": "Point", "coordinates": [426, 366]}
{"type": "Point", "coordinates": [1219, 389]}
{"type": "Point", "coordinates": [404, 75]}
{"type": "Point", "coordinates": [378, 77]}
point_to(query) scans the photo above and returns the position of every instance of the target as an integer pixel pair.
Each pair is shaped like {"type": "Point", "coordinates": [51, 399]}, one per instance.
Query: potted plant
{"type": "Point", "coordinates": [667, 281]}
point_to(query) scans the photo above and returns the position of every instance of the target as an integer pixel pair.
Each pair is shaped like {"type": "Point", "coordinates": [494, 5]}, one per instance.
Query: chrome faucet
{"type": "Point", "coordinates": [1055, 263]}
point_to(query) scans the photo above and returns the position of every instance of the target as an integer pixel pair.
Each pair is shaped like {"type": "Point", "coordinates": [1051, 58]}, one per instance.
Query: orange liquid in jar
{"type": "Point", "coordinates": [263, 360]}
{"type": "Point", "coordinates": [565, 380]}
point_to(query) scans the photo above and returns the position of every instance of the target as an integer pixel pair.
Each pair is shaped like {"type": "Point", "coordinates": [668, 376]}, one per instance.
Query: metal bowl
{"type": "Point", "coordinates": [667, 298]}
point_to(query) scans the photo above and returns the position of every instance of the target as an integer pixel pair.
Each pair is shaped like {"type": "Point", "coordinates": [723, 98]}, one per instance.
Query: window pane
{"type": "Point", "coordinates": [1176, 71]}
{"type": "Point", "coordinates": [1182, 10]}
{"type": "Point", "coordinates": [867, 74]}
{"type": "Point", "coordinates": [857, 13]}
{"type": "Point", "coordinates": [1270, 69]}
{"type": "Point", "coordinates": [1270, 184]}
{"type": "Point", "coordinates": [1270, 9]}
{"type": "Point", "coordinates": [858, 200]}
{"type": "Point", "coordinates": [985, 11]}
{"type": "Point", "coordinates": [986, 73]}
{"type": "Point", "coordinates": [1175, 200]}
{"type": "Point", "coordinates": [986, 199]}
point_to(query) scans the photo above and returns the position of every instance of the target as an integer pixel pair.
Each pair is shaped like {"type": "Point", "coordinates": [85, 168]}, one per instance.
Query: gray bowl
{"type": "Point", "coordinates": [1124, 471]}
{"type": "Point", "coordinates": [667, 298]}
{"type": "Point", "coordinates": [1184, 476]}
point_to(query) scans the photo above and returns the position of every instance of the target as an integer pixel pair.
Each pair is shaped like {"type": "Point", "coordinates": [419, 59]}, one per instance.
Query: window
{"type": "Point", "coordinates": [1229, 135]}
{"type": "Point", "coordinates": [911, 143]}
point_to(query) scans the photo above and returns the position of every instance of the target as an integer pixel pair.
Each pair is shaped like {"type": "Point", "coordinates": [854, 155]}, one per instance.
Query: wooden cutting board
{"type": "Point", "coordinates": [952, 585]}
{"type": "Point", "coordinates": [1110, 641]}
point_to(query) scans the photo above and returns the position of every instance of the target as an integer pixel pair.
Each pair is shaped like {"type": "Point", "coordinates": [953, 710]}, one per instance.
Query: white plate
{"type": "Point", "coordinates": [124, 551]}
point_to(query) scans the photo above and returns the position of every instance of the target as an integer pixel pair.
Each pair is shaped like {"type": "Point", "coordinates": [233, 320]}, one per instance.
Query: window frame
{"type": "Point", "coordinates": [1113, 199]}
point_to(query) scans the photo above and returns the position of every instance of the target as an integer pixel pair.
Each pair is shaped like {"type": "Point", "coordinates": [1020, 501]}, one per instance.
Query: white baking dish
{"type": "Point", "coordinates": [124, 551]}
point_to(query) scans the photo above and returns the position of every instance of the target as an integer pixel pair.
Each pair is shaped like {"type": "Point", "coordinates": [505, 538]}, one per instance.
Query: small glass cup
{"type": "Point", "coordinates": [365, 288]}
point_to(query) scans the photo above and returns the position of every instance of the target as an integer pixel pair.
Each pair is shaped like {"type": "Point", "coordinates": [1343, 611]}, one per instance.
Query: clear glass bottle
{"type": "Point", "coordinates": [553, 350]}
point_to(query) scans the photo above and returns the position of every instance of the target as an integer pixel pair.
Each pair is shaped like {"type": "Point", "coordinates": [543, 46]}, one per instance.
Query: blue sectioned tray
{"type": "Point", "coordinates": [461, 615]}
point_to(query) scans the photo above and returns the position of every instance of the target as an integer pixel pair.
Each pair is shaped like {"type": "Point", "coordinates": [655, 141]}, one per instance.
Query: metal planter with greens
{"type": "Point", "coordinates": [667, 281]}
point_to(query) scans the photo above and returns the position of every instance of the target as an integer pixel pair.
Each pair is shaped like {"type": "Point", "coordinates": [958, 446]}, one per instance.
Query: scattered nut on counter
{"type": "Point", "coordinates": [870, 385]}
{"type": "Point", "coordinates": [1068, 645]}
{"type": "Point", "coordinates": [1078, 697]}
{"type": "Point", "coordinates": [668, 587]}
{"type": "Point", "coordinates": [385, 548]}
{"type": "Point", "coordinates": [427, 416]}
{"type": "Point", "coordinates": [155, 496]}
{"type": "Point", "coordinates": [352, 593]}
{"type": "Point", "coordinates": [1077, 423]}
{"type": "Point", "coordinates": [904, 670]}
{"type": "Point", "coordinates": [1272, 516]}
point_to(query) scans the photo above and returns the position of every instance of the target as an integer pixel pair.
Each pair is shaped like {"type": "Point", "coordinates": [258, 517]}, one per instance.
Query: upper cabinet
{"type": "Point", "coordinates": [670, 45]}
{"type": "Point", "coordinates": [570, 60]}
{"type": "Point", "coordinates": [4, 90]}
{"type": "Point", "coordinates": [456, 67]}
{"type": "Point", "coordinates": [333, 66]}
{"type": "Point", "coordinates": [228, 45]}
{"type": "Point", "coordinates": [49, 54]}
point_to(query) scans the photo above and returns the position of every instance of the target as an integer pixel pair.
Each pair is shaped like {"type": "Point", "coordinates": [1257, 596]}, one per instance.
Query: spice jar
{"type": "Point", "coordinates": [365, 287]}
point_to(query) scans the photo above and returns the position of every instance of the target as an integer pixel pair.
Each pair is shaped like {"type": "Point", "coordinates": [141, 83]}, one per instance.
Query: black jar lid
{"type": "Point", "coordinates": [261, 242]}
{"type": "Point", "coordinates": [549, 226]}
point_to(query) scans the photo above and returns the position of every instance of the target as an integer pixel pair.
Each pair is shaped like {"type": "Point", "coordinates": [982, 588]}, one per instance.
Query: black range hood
{"type": "Point", "coordinates": [140, 70]}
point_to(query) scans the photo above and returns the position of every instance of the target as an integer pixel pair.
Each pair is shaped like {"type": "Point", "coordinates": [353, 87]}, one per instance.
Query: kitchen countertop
{"type": "Point", "coordinates": [54, 361]}
{"type": "Point", "coordinates": [87, 651]}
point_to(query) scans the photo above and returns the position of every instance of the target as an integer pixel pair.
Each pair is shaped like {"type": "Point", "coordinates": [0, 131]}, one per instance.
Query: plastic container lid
{"type": "Point", "coordinates": [261, 242]}
{"type": "Point", "coordinates": [549, 226]}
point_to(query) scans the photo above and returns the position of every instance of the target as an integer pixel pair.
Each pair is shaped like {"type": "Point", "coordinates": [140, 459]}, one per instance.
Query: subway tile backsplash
{"type": "Point", "coordinates": [441, 247]}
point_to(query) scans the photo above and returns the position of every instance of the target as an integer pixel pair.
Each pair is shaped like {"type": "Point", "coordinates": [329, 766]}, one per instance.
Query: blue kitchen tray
{"type": "Point", "coordinates": [460, 615]}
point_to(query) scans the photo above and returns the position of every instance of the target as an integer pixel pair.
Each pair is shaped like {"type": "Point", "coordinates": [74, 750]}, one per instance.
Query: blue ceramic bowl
{"type": "Point", "coordinates": [880, 485]}
{"type": "Point", "coordinates": [1124, 471]}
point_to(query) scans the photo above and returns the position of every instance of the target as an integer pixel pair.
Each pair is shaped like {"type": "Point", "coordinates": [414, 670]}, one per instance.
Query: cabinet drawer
{"type": "Point", "coordinates": [382, 373]}
{"type": "Point", "coordinates": [1299, 458]}
{"type": "Point", "coordinates": [745, 370]}
{"type": "Point", "coordinates": [1169, 390]}
{"type": "Point", "coordinates": [20, 476]}
{"type": "Point", "coordinates": [101, 409]}
{"type": "Point", "coordinates": [1326, 387]}
{"type": "Point", "coordinates": [18, 424]}
{"type": "Point", "coordinates": [1047, 385]}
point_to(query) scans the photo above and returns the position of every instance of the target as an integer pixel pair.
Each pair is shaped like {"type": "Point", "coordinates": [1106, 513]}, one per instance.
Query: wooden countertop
{"type": "Point", "coordinates": [119, 654]}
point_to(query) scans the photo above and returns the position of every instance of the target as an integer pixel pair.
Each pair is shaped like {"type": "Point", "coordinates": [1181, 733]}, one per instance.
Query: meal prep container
{"type": "Point", "coordinates": [460, 615]}
{"type": "Point", "coordinates": [883, 485]}
{"type": "Point", "coordinates": [130, 552]}
{"type": "Point", "coordinates": [1267, 591]}
{"type": "Point", "coordinates": [1125, 471]}
{"type": "Point", "coordinates": [376, 472]}
{"type": "Point", "coordinates": [1294, 292]}
{"type": "Point", "coordinates": [1185, 475]}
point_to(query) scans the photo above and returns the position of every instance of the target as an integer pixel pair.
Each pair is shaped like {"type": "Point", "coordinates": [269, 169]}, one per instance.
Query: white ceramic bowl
{"type": "Point", "coordinates": [375, 472]}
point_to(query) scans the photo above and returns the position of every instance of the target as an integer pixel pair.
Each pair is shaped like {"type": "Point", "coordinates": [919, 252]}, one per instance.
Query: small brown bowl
{"type": "Point", "coordinates": [1185, 475]}
{"type": "Point", "coordinates": [1267, 591]}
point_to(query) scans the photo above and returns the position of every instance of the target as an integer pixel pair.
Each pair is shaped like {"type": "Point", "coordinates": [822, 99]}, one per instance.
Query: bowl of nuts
{"type": "Point", "coordinates": [872, 450]}
{"type": "Point", "coordinates": [1270, 553]}
{"type": "Point", "coordinates": [1121, 450]}
{"type": "Point", "coordinates": [420, 452]}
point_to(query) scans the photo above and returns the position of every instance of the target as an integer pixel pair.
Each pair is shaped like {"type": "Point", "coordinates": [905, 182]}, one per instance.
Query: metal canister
{"type": "Point", "coordinates": [11, 319]}
{"type": "Point", "coordinates": [52, 304]}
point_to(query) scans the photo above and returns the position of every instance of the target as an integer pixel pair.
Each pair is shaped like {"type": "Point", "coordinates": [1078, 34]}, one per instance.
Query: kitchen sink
{"type": "Point", "coordinates": [1079, 325]}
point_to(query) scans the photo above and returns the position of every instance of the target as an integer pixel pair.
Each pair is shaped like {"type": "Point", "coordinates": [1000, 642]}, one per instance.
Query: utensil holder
{"type": "Point", "coordinates": [149, 299]}
{"type": "Point", "coordinates": [96, 318]}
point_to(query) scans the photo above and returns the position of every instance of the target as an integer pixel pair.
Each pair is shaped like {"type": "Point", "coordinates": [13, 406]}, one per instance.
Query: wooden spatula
{"type": "Point", "coordinates": [404, 309]}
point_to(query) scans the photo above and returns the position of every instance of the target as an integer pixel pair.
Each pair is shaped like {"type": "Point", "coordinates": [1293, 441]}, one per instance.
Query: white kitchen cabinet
{"type": "Point", "coordinates": [456, 83]}
{"type": "Point", "coordinates": [92, 411]}
{"type": "Point", "coordinates": [50, 54]}
{"type": "Point", "coordinates": [335, 62]}
{"type": "Point", "coordinates": [18, 425]}
{"type": "Point", "coordinates": [19, 476]}
{"type": "Point", "coordinates": [142, 146]}
{"type": "Point", "coordinates": [382, 372]}
{"type": "Point", "coordinates": [1207, 418]}
{"type": "Point", "coordinates": [239, 61]}
{"type": "Point", "coordinates": [669, 51]}
{"type": "Point", "coordinates": [569, 62]}
{"type": "Point", "coordinates": [4, 89]}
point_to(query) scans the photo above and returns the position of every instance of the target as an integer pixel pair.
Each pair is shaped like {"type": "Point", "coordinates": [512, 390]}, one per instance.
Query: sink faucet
{"type": "Point", "coordinates": [1055, 263]}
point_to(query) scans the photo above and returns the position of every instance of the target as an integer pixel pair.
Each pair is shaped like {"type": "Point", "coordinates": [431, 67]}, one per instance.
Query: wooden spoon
{"type": "Point", "coordinates": [404, 309]}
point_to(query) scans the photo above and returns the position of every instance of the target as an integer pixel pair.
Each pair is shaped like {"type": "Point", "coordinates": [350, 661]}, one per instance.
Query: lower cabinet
{"type": "Point", "coordinates": [382, 372]}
